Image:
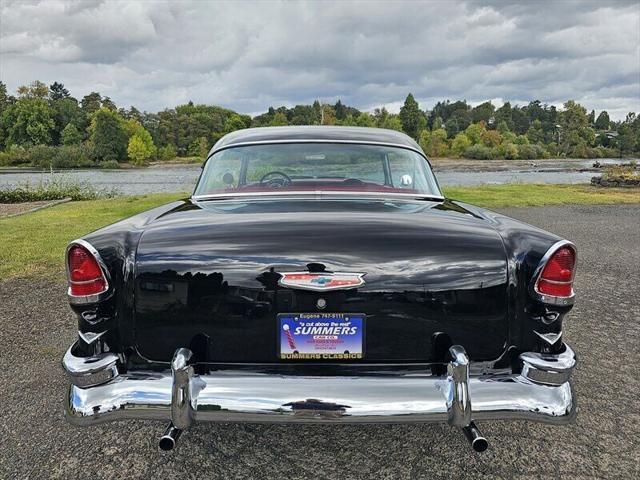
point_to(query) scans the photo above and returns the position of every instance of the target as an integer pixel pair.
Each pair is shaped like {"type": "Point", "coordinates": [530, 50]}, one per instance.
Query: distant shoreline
{"type": "Point", "coordinates": [438, 164]}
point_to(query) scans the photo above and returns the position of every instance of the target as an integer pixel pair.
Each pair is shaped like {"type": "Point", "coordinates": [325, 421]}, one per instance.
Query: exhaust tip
{"type": "Point", "coordinates": [479, 444]}
{"type": "Point", "coordinates": [170, 438]}
{"type": "Point", "coordinates": [477, 441]}
{"type": "Point", "coordinates": [166, 443]}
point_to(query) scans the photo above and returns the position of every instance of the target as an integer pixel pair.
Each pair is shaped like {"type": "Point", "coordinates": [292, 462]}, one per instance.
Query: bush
{"type": "Point", "coordinates": [479, 152]}
{"type": "Point", "coordinates": [167, 153]}
{"type": "Point", "coordinates": [602, 152]}
{"type": "Point", "coordinates": [460, 144]}
{"type": "Point", "coordinates": [16, 155]}
{"type": "Point", "coordinates": [507, 151]}
{"type": "Point", "coordinates": [42, 156]}
{"type": "Point", "coordinates": [67, 156]}
{"type": "Point", "coordinates": [531, 152]}
{"type": "Point", "coordinates": [109, 164]}
{"type": "Point", "coordinates": [56, 188]}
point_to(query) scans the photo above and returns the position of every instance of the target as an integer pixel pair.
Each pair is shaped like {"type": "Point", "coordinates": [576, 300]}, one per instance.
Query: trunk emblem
{"type": "Point", "coordinates": [322, 281]}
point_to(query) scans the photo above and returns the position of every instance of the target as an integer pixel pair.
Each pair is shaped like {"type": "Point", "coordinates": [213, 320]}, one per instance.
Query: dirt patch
{"type": "Point", "coordinates": [13, 209]}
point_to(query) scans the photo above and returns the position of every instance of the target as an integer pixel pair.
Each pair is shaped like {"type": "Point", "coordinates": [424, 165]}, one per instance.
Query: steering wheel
{"type": "Point", "coordinates": [352, 182]}
{"type": "Point", "coordinates": [283, 181]}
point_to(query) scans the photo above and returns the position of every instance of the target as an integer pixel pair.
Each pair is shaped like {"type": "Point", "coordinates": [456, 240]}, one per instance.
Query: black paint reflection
{"type": "Point", "coordinates": [206, 273]}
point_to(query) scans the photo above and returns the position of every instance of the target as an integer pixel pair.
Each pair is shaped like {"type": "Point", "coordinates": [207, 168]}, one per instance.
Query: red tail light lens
{"type": "Point", "coordinates": [556, 278]}
{"type": "Point", "coordinates": [85, 275]}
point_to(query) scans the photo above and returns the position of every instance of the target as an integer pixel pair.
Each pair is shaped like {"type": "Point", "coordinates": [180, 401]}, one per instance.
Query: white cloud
{"type": "Point", "coordinates": [249, 56]}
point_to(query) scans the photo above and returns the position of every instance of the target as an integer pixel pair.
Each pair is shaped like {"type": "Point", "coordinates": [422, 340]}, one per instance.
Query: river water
{"type": "Point", "coordinates": [182, 178]}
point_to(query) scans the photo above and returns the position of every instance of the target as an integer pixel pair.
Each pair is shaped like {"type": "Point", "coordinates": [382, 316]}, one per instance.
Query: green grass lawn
{"type": "Point", "coordinates": [34, 244]}
{"type": "Point", "coordinates": [529, 195]}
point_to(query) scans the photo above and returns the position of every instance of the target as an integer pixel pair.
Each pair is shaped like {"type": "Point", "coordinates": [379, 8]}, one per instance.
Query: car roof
{"type": "Point", "coordinates": [318, 133]}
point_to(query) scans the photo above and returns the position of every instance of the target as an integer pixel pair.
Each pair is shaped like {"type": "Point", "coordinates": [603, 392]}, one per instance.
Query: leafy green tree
{"type": "Point", "coordinates": [29, 121]}
{"type": "Point", "coordinates": [279, 119]}
{"type": "Point", "coordinates": [503, 127]}
{"type": "Point", "coordinates": [341, 112]}
{"type": "Point", "coordinates": [65, 111]}
{"type": "Point", "coordinates": [520, 120]}
{"type": "Point", "coordinates": [4, 97]}
{"type": "Point", "coordinates": [434, 143]}
{"type": "Point", "coordinates": [70, 135]}
{"type": "Point", "coordinates": [91, 103]}
{"type": "Point", "coordinates": [483, 113]}
{"type": "Point", "coordinates": [535, 133]}
{"type": "Point", "coordinates": [474, 133]}
{"type": "Point", "coordinates": [392, 122]}
{"type": "Point", "coordinates": [133, 114]}
{"type": "Point", "coordinates": [384, 119]}
{"type": "Point", "coordinates": [412, 118]}
{"type": "Point", "coordinates": [108, 104]}
{"type": "Point", "coordinates": [168, 152]}
{"type": "Point", "coordinates": [35, 89]}
{"type": "Point", "coordinates": [504, 114]}
{"type": "Point", "coordinates": [491, 138]}
{"type": "Point", "coordinates": [199, 147]}
{"type": "Point", "coordinates": [576, 133]}
{"type": "Point", "coordinates": [365, 120]}
{"type": "Point", "coordinates": [460, 144]}
{"type": "Point", "coordinates": [4, 105]}
{"type": "Point", "coordinates": [57, 91]}
{"type": "Point", "coordinates": [141, 147]}
{"type": "Point", "coordinates": [452, 127]}
{"type": "Point", "coordinates": [108, 135]}
{"type": "Point", "coordinates": [233, 123]}
{"type": "Point", "coordinates": [603, 122]}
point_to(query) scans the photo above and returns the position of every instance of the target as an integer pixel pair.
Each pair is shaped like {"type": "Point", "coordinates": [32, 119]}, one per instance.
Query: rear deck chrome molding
{"type": "Point", "coordinates": [182, 397]}
{"type": "Point", "coordinates": [318, 193]}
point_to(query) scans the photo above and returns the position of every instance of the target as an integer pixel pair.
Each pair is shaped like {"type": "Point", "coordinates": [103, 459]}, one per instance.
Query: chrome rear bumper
{"type": "Point", "coordinates": [542, 392]}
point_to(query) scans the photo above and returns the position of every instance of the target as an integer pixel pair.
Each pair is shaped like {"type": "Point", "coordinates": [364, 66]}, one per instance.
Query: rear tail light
{"type": "Point", "coordinates": [85, 274]}
{"type": "Point", "coordinates": [556, 277]}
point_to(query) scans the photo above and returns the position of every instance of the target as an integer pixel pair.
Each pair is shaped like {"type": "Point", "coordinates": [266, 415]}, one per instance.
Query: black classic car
{"type": "Point", "coordinates": [318, 274]}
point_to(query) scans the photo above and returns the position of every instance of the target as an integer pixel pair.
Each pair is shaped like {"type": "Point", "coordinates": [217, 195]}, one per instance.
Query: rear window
{"type": "Point", "coordinates": [326, 167]}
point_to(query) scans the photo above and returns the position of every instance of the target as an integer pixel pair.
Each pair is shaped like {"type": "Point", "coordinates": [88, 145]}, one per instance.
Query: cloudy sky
{"type": "Point", "coordinates": [249, 56]}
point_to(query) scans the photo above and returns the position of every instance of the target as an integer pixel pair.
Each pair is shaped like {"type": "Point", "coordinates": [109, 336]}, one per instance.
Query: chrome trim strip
{"type": "Point", "coordinates": [310, 193]}
{"type": "Point", "coordinates": [550, 338]}
{"type": "Point", "coordinates": [90, 337]}
{"type": "Point", "coordinates": [533, 284]}
{"type": "Point", "coordinates": [87, 299]}
{"type": "Point", "coordinates": [315, 140]}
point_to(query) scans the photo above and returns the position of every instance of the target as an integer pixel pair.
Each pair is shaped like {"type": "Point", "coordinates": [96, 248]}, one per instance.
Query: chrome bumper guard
{"type": "Point", "coordinates": [542, 392]}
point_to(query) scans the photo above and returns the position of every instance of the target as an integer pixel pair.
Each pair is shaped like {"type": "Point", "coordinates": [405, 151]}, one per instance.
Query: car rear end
{"type": "Point", "coordinates": [394, 319]}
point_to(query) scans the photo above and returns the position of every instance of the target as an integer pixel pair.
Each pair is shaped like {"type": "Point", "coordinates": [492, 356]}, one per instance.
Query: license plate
{"type": "Point", "coordinates": [321, 336]}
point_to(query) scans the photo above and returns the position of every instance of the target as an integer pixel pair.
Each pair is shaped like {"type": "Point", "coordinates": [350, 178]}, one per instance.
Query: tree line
{"type": "Point", "coordinates": [45, 126]}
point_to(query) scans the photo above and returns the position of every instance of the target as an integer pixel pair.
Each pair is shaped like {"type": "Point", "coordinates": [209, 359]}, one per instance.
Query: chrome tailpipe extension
{"type": "Point", "coordinates": [458, 399]}
{"type": "Point", "coordinates": [170, 438]}
{"type": "Point", "coordinates": [184, 393]}
{"type": "Point", "coordinates": [477, 441]}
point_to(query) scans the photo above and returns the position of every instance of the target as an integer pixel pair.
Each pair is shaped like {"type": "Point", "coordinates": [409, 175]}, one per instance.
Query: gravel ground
{"type": "Point", "coordinates": [35, 442]}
